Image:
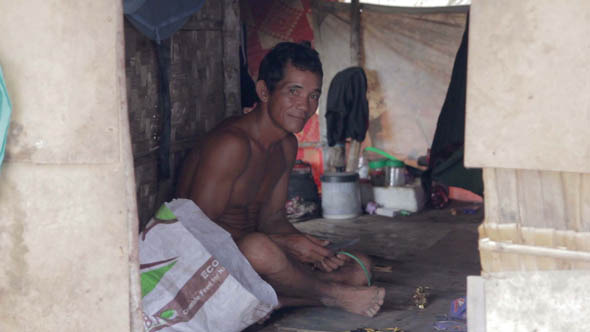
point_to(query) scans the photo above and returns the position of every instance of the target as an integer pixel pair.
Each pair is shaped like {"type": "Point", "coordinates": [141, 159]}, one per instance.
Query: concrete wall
{"type": "Point", "coordinates": [527, 75]}
{"type": "Point", "coordinates": [67, 200]}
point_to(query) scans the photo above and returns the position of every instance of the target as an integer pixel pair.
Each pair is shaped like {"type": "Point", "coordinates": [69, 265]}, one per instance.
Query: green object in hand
{"type": "Point", "coordinates": [367, 272]}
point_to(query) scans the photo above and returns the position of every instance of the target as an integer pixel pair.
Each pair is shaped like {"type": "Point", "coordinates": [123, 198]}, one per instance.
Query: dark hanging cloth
{"type": "Point", "coordinates": [164, 106]}
{"type": "Point", "coordinates": [247, 85]}
{"type": "Point", "coordinates": [450, 127]}
{"type": "Point", "coordinates": [347, 109]}
{"type": "Point", "coordinates": [446, 153]}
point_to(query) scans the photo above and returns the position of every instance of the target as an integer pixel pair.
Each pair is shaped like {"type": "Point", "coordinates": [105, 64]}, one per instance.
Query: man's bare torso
{"type": "Point", "coordinates": [252, 189]}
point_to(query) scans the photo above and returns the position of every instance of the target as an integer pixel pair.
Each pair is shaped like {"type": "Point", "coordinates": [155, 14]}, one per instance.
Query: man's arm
{"type": "Point", "coordinates": [221, 161]}
{"type": "Point", "coordinates": [273, 221]}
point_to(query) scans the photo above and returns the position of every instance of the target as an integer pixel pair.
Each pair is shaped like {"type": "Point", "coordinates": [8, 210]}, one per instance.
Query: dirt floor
{"type": "Point", "coordinates": [432, 248]}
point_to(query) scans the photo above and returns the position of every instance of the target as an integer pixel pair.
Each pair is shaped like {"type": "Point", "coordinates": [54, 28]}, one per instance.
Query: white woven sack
{"type": "Point", "coordinates": [194, 277]}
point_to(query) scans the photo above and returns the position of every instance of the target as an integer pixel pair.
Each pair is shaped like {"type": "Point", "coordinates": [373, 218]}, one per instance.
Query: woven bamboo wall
{"type": "Point", "coordinates": [204, 89]}
{"type": "Point", "coordinates": [535, 210]}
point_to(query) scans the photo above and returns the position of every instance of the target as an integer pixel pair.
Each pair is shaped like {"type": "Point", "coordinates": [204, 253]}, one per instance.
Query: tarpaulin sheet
{"type": "Point", "coordinates": [408, 56]}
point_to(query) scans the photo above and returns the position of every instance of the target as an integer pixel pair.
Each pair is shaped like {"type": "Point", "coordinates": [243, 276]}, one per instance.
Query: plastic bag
{"type": "Point", "coordinates": [194, 277]}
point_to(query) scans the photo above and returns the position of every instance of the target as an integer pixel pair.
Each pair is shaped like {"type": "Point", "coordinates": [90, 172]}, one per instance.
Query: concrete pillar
{"type": "Point", "coordinates": [526, 125]}
{"type": "Point", "coordinates": [68, 217]}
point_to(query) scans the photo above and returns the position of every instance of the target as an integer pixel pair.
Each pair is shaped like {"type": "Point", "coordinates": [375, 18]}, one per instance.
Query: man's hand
{"type": "Point", "coordinates": [309, 249]}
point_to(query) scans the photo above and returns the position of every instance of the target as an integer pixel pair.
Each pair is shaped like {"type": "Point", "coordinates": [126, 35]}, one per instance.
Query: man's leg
{"type": "Point", "coordinates": [299, 285]}
{"type": "Point", "coordinates": [351, 273]}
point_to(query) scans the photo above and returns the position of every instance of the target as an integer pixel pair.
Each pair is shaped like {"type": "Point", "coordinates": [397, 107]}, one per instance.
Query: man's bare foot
{"type": "Point", "coordinates": [364, 301]}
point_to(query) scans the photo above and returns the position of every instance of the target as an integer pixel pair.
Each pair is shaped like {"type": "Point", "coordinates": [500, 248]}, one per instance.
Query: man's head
{"type": "Point", "coordinates": [289, 85]}
{"type": "Point", "coordinates": [300, 56]}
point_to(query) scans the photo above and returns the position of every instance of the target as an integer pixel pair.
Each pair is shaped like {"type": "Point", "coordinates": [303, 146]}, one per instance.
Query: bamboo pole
{"type": "Point", "coordinates": [487, 244]}
{"type": "Point", "coordinates": [355, 60]}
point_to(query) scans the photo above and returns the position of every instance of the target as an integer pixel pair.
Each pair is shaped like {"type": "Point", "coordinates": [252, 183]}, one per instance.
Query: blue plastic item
{"type": "Point", "coordinates": [5, 111]}
{"type": "Point", "coordinates": [458, 309]}
{"type": "Point", "coordinates": [159, 19]}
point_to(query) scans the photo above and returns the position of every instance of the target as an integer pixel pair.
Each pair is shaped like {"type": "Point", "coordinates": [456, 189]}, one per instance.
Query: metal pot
{"type": "Point", "coordinates": [395, 174]}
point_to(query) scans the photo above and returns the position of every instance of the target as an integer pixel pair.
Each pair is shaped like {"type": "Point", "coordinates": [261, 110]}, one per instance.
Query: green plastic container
{"type": "Point", "coordinates": [376, 164]}
{"type": "Point", "coordinates": [387, 172]}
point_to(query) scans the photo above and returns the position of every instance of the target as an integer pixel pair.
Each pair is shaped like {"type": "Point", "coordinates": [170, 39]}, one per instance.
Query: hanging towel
{"type": "Point", "coordinates": [347, 109]}
{"type": "Point", "coordinates": [5, 110]}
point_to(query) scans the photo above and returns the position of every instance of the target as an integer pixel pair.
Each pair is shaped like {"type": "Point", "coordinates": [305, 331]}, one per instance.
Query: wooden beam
{"type": "Point", "coordinates": [353, 156]}
{"type": "Point", "coordinates": [355, 60]}
{"type": "Point", "coordinates": [231, 60]}
{"type": "Point", "coordinates": [355, 33]}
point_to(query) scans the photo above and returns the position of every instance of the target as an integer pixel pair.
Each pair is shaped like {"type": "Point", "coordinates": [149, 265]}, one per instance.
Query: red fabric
{"type": "Point", "coordinates": [278, 20]}
{"type": "Point", "coordinates": [312, 155]}
{"type": "Point", "coordinates": [311, 131]}
{"type": "Point", "coordinates": [268, 23]}
{"type": "Point", "coordinates": [460, 194]}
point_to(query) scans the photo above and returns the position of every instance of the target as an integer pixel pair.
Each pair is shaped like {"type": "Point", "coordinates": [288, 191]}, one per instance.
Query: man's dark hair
{"type": "Point", "coordinates": [301, 56]}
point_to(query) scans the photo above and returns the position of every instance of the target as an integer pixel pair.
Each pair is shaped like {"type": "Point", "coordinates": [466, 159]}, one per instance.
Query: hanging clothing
{"type": "Point", "coordinates": [347, 108]}
{"type": "Point", "coordinates": [5, 110]}
{"type": "Point", "coordinates": [446, 154]}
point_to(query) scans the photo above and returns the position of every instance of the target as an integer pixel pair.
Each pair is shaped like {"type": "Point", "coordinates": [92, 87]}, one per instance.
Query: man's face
{"type": "Point", "coordinates": [294, 99]}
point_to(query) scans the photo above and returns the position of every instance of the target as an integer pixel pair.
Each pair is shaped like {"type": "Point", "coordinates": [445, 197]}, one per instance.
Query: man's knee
{"type": "Point", "coordinates": [359, 276]}
{"type": "Point", "coordinates": [262, 253]}
{"type": "Point", "coordinates": [367, 262]}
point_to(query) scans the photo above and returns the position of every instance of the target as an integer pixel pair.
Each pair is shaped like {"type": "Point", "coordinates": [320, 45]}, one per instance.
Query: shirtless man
{"type": "Point", "coordinates": [239, 175]}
